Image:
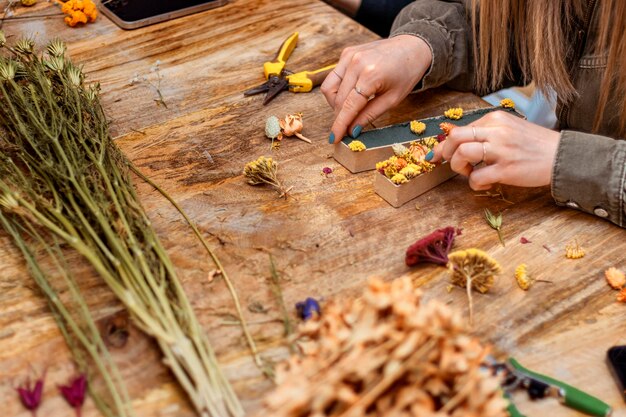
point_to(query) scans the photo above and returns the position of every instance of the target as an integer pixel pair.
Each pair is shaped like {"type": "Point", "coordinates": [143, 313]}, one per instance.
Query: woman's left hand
{"type": "Point", "coordinates": [515, 151]}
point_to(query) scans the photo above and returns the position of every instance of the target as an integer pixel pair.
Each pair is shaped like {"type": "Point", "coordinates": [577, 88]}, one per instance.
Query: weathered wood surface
{"type": "Point", "coordinates": [327, 238]}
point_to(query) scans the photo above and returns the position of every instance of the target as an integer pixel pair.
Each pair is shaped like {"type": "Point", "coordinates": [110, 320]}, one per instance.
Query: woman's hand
{"type": "Point", "coordinates": [371, 78]}
{"type": "Point", "coordinates": [515, 151]}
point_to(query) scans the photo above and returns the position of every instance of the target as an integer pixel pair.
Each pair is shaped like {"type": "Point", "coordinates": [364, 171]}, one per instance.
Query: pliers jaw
{"type": "Point", "coordinates": [272, 87]}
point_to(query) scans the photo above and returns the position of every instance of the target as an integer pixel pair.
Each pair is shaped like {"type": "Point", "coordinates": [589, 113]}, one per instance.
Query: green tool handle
{"type": "Point", "coordinates": [512, 409]}
{"type": "Point", "coordinates": [572, 397]}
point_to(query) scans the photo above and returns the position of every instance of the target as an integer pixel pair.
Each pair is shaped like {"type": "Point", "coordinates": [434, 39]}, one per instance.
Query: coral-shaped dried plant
{"type": "Point", "coordinates": [615, 278]}
{"type": "Point", "coordinates": [432, 248]}
{"type": "Point", "coordinates": [473, 269]}
{"type": "Point", "coordinates": [386, 354]}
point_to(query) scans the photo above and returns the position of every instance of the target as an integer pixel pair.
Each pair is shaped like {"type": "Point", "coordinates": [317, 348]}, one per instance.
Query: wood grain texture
{"type": "Point", "coordinates": [327, 238]}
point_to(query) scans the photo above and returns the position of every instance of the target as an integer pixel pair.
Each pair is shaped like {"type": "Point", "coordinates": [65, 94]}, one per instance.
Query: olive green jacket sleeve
{"type": "Point", "coordinates": [444, 27]}
{"type": "Point", "coordinates": [589, 174]}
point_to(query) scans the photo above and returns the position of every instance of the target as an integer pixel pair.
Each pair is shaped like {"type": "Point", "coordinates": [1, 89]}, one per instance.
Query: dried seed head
{"type": "Point", "coordinates": [25, 46]}
{"type": "Point", "coordinates": [272, 128]}
{"type": "Point", "coordinates": [8, 69]}
{"type": "Point", "coordinates": [475, 265]}
{"type": "Point", "coordinates": [56, 48]}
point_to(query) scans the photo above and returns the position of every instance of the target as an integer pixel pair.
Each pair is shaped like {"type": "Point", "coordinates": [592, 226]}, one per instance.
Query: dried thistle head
{"type": "Point", "coordinates": [24, 46]}
{"type": "Point", "coordinates": [8, 69]}
{"type": "Point", "coordinates": [56, 48]}
{"type": "Point", "coordinates": [386, 354]}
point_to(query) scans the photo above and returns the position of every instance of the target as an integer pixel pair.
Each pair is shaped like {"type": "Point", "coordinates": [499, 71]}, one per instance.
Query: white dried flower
{"type": "Point", "coordinates": [24, 46]}
{"type": "Point", "coordinates": [8, 69]}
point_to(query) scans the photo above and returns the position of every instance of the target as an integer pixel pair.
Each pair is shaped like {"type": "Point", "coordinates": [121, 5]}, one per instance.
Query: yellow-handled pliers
{"type": "Point", "coordinates": [279, 79]}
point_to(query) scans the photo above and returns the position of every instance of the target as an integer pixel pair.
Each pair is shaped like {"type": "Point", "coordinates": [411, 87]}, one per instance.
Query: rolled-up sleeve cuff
{"type": "Point", "coordinates": [589, 174]}
{"type": "Point", "coordinates": [438, 41]}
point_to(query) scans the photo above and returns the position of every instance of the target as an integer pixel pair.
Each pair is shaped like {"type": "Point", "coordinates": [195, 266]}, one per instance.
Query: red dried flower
{"type": "Point", "coordinates": [433, 248]}
{"type": "Point", "coordinates": [441, 137]}
{"type": "Point", "coordinates": [31, 394]}
{"type": "Point", "coordinates": [74, 393]}
{"type": "Point", "coordinates": [524, 241]}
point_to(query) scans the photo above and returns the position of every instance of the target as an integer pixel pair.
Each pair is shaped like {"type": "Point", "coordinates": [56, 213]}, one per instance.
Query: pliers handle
{"type": "Point", "coordinates": [277, 66]}
{"type": "Point", "coordinates": [568, 395]}
{"type": "Point", "coordinates": [304, 81]}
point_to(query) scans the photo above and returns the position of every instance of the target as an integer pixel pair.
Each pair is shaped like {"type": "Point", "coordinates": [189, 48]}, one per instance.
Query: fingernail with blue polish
{"type": "Point", "coordinates": [331, 138]}
{"type": "Point", "coordinates": [356, 131]}
{"type": "Point", "coordinates": [429, 155]}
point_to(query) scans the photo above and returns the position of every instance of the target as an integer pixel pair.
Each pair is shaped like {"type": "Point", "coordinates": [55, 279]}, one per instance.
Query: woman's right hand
{"type": "Point", "coordinates": [386, 70]}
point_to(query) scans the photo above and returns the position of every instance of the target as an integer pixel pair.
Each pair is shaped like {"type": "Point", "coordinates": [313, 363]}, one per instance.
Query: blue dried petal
{"type": "Point", "coordinates": [307, 308]}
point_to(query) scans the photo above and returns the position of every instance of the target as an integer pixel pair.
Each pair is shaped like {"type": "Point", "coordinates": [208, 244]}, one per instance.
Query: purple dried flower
{"type": "Point", "coordinates": [432, 248]}
{"type": "Point", "coordinates": [307, 308]}
{"type": "Point", "coordinates": [31, 394]}
{"type": "Point", "coordinates": [524, 241]}
{"type": "Point", "coordinates": [326, 171]}
{"type": "Point", "coordinates": [74, 393]}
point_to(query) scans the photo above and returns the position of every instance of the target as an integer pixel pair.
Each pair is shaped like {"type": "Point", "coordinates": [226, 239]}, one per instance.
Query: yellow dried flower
{"type": "Point", "coordinates": [454, 113]}
{"type": "Point", "coordinates": [430, 141]}
{"type": "Point", "coordinates": [411, 171]}
{"type": "Point", "coordinates": [507, 103]}
{"type": "Point", "coordinates": [357, 146]}
{"type": "Point", "coordinates": [399, 179]}
{"type": "Point", "coordinates": [615, 278]}
{"type": "Point", "coordinates": [621, 296]}
{"type": "Point", "coordinates": [473, 269]}
{"type": "Point", "coordinates": [264, 171]}
{"type": "Point", "coordinates": [524, 280]}
{"type": "Point", "coordinates": [574, 251]}
{"type": "Point", "coordinates": [417, 127]}
{"type": "Point", "coordinates": [28, 3]}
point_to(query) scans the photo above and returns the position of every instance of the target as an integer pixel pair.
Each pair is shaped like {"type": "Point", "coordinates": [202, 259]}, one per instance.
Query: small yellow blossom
{"type": "Point", "coordinates": [454, 113]}
{"type": "Point", "coordinates": [356, 146]}
{"type": "Point", "coordinates": [28, 3]}
{"type": "Point", "coordinates": [411, 171]}
{"type": "Point", "coordinates": [615, 278]}
{"type": "Point", "coordinates": [524, 280]}
{"type": "Point", "coordinates": [417, 127]}
{"type": "Point", "coordinates": [574, 251]}
{"type": "Point", "coordinates": [399, 179]}
{"type": "Point", "coordinates": [507, 103]}
{"type": "Point", "coordinates": [430, 141]}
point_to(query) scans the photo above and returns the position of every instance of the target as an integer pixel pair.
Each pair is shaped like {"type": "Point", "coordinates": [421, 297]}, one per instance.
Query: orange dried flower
{"type": "Point", "coordinates": [446, 127]}
{"type": "Point", "coordinates": [621, 296]}
{"type": "Point", "coordinates": [615, 278]}
{"type": "Point", "coordinates": [79, 11]}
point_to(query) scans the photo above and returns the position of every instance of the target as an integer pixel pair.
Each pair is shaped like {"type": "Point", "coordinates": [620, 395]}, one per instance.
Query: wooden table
{"type": "Point", "coordinates": [327, 239]}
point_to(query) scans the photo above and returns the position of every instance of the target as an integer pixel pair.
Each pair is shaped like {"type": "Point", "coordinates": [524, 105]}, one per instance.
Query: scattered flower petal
{"type": "Point", "coordinates": [74, 393]}
{"type": "Point", "coordinates": [31, 395]}
{"type": "Point", "coordinates": [524, 241]}
{"type": "Point", "coordinates": [327, 171]}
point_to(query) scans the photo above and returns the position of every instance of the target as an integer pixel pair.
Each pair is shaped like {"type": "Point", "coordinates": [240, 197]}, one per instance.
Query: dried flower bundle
{"type": "Point", "coordinates": [574, 251]}
{"type": "Point", "coordinates": [454, 113]}
{"type": "Point", "coordinates": [406, 164]}
{"type": "Point", "coordinates": [63, 180]}
{"type": "Point", "coordinates": [417, 127]}
{"type": "Point", "coordinates": [432, 248]}
{"type": "Point", "coordinates": [386, 354]}
{"type": "Point", "coordinates": [357, 146]}
{"type": "Point", "coordinates": [264, 171]}
{"type": "Point", "coordinates": [473, 269]}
